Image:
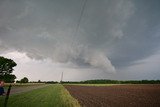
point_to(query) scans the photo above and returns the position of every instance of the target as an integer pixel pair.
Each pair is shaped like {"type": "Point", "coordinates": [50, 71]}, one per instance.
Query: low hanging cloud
{"type": "Point", "coordinates": [112, 34]}
{"type": "Point", "coordinates": [47, 30]}
{"type": "Point", "coordinates": [81, 56]}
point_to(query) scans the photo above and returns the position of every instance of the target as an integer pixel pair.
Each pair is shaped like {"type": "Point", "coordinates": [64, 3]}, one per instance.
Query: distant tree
{"type": "Point", "coordinates": [6, 68]}
{"type": "Point", "coordinates": [39, 81]}
{"type": "Point", "coordinates": [24, 80]}
{"type": "Point", "coordinates": [17, 81]}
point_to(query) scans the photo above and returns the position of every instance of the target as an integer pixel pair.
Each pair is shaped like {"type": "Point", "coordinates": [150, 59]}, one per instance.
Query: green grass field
{"type": "Point", "coordinates": [50, 96]}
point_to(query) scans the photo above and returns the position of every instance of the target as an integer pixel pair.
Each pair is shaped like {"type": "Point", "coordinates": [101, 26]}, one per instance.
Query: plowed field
{"type": "Point", "coordinates": [117, 95]}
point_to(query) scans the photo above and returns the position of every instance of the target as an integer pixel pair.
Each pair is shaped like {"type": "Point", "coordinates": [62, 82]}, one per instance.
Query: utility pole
{"type": "Point", "coordinates": [61, 77]}
{"type": "Point", "coordinates": [7, 96]}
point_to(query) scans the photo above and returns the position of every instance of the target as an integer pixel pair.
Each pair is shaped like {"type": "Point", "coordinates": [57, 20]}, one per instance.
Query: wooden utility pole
{"type": "Point", "coordinates": [61, 77]}
{"type": "Point", "coordinates": [7, 96]}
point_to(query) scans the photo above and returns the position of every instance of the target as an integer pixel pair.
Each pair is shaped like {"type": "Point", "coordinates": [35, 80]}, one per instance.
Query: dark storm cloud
{"type": "Point", "coordinates": [141, 35]}
{"type": "Point", "coordinates": [112, 33]}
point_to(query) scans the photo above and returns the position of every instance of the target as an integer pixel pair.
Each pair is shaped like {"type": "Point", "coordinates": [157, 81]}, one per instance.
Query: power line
{"type": "Point", "coordinates": [79, 20]}
{"type": "Point", "coordinates": [77, 28]}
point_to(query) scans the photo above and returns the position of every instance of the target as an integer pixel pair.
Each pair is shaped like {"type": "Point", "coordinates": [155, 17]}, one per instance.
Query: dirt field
{"type": "Point", "coordinates": [116, 96]}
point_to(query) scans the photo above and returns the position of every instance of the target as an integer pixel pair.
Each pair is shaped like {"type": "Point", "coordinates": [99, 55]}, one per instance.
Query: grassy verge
{"type": "Point", "coordinates": [50, 96]}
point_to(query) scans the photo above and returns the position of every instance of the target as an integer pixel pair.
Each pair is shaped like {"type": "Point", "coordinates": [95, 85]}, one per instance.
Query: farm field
{"type": "Point", "coordinates": [116, 95]}
{"type": "Point", "coordinates": [93, 84]}
{"type": "Point", "coordinates": [40, 96]}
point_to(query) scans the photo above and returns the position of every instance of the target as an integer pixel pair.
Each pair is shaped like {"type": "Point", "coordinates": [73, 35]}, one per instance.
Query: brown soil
{"type": "Point", "coordinates": [116, 96]}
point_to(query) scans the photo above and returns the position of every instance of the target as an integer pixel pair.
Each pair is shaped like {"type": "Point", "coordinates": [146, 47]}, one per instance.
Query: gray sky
{"type": "Point", "coordinates": [116, 39]}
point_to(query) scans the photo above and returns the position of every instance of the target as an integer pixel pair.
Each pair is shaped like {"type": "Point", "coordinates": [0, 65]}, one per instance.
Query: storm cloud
{"type": "Point", "coordinates": [112, 35]}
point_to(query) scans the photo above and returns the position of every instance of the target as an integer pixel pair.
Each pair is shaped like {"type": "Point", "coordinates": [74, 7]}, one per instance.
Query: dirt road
{"type": "Point", "coordinates": [20, 89]}
{"type": "Point", "coordinates": [116, 96]}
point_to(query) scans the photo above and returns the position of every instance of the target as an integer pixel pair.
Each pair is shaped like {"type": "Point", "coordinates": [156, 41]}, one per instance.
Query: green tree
{"type": "Point", "coordinates": [39, 81]}
{"type": "Point", "coordinates": [9, 78]}
{"type": "Point", "coordinates": [6, 69]}
{"type": "Point", "coordinates": [24, 80]}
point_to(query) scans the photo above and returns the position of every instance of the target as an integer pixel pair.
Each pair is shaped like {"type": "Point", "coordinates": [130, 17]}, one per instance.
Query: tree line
{"type": "Point", "coordinates": [106, 81]}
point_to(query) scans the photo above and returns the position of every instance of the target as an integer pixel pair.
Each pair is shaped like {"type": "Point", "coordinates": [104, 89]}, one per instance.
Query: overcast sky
{"type": "Point", "coordinates": [110, 39]}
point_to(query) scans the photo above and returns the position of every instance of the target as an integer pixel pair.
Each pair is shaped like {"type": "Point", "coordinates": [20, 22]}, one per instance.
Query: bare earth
{"type": "Point", "coordinates": [116, 96]}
